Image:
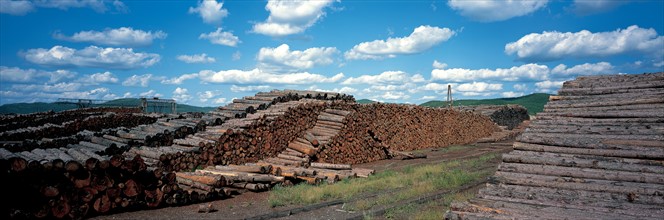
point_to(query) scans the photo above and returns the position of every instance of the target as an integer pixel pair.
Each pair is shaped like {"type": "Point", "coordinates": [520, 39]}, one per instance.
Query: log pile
{"type": "Point", "coordinates": [509, 116]}
{"type": "Point", "coordinates": [256, 127]}
{"type": "Point", "coordinates": [75, 189]}
{"type": "Point", "coordinates": [372, 130]}
{"type": "Point", "coordinates": [30, 136]}
{"type": "Point", "coordinates": [595, 152]}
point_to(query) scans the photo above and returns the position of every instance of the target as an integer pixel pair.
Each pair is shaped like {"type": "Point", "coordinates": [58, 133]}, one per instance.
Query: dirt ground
{"type": "Point", "coordinates": [250, 204]}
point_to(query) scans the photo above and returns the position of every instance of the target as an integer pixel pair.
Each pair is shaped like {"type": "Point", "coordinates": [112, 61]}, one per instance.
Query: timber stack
{"type": "Point", "coordinates": [595, 152]}
{"type": "Point", "coordinates": [509, 116]}
{"type": "Point", "coordinates": [371, 131]}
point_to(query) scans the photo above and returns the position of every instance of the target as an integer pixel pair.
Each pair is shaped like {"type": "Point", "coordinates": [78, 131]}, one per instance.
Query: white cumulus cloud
{"type": "Point", "coordinates": [139, 80]}
{"type": "Point", "coordinates": [13, 7]}
{"type": "Point", "coordinates": [387, 77]}
{"type": "Point", "coordinates": [465, 89]}
{"type": "Point", "coordinates": [207, 95]}
{"type": "Point", "coordinates": [196, 58]}
{"type": "Point", "coordinates": [548, 86]}
{"type": "Point", "coordinates": [495, 10]}
{"type": "Point", "coordinates": [221, 37]}
{"type": "Point", "coordinates": [282, 56]}
{"type": "Point", "coordinates": [181, 95]}
{"type": "Point", "coordinates": [58, 87]}
{"type": "Point", "coordinates": [555, 45]}
{"type": "Point", "coordinates": [422, 39]}
{"type": "Point", "coordinates": [15, 74]}
{"type": "Point", "coordinates": [511, 94]}
{"type": "Point", "coordinates": [527, 71]}
{"type": "Point", "coordinates": [211, 11]}
{"type": "Point", "coordinates": [124, 36]}
{"type": "Point", "coordinates": [180, 79]}
{"type": "Point", "coordinates": [584, 69]}
{"type": "Point", "coordinates": [98, 78]}
{"type": "Point", "coordinates": [260, 76]}
{"type": "Point", "coordinates": [439, 65]}
{"type": "Point", "coordinates": [235, 88]}
{"type": "Point", "coordinates": [392, 95]}
{"type": "Point", "coordinates": [290, 17]}
{"type": "Point", "coordinates": [92, 56]}
{"type": "Point", "coordinates": [345, 90]}
{"type": "Point", "coordinates": [150, 93]}
{"type": "Point", "coordinates": [22, 7]}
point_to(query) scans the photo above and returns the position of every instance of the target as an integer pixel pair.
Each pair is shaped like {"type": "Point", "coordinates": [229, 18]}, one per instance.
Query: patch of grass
{"type": "Point", "coordinates": [432, 210]}
{"type": "Point", "coordinates": [406, 183]}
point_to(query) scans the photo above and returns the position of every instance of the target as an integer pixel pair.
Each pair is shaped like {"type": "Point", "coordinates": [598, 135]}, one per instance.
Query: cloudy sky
{"type": "Point", "coordinates": [208, 52]}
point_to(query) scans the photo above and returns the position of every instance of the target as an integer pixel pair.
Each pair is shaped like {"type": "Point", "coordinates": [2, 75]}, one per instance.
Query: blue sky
{"type": "Point", "coordinates": [208, 52]}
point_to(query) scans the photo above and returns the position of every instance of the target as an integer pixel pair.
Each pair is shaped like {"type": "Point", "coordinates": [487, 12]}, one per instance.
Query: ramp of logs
{"type": "Point", "coordinates": [596, 152]}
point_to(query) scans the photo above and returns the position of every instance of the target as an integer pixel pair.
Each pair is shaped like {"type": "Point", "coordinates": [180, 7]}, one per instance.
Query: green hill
{"type": "Point", "coordinates": [533, 102]}
{"type": "Point", "coordinates": [364, 101]}
{"type": "Point", "coordinates": [27, 108]}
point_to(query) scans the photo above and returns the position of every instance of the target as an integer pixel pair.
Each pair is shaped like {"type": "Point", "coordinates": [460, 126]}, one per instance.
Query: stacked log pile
{"type": "Point", "coordinates": [595, 152]}
{"type": "Point", "coordinates": [372, 130]}
{"type": "Point", "coordinates": [31, 136]}
{"type": "Point", "coordinates": [256, 127]}
{"type": "Point", "coordinates": [75, 189]}
{"type": "Point", "coordinates": [509, 116]}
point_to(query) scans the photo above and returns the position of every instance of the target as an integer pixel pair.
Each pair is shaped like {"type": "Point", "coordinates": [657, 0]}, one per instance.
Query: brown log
{"type": "Point", "coordinates": [331, 166]}
{"type": "Point", "coordinates": [310, 137]}
{"type": "Point", "coordinates": [211, 180]}
{"type": "Point", "coordinates": [302, 148]}
{"type": "Point", "coordinates": [293, 158]}
{"type": "Point", "coordinates": [588, 173]}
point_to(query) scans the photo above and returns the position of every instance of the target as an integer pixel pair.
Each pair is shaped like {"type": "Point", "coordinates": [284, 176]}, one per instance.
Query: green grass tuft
{"type": "Point", "coordinates": [402, 184]}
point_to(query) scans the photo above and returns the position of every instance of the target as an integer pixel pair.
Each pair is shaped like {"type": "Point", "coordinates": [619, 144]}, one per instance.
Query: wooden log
{"type": "Point", "coordinates": [593, 140]}
{"type": "Point", "coordinates": [256, 187]}
{"type": "Point", "coordinates": [210, 180]}
{"type": "Point", "coordinates": [569, 183]}
{"type": "Point", "coordinates": [577, 197]}
{"type": "Point", "coordinates": [116, 139]}
{"type": "Point", "coordinates": [302, 148]}
{"type": "Point", "coordinates": [627, 152]}
{"type": "Point", "coordinates": [331, 166]}
{"type": "Point", "coordinates": [97, 147]}
{"type": "Point", "coordinates": [583, 161]}
{"type": "Point", "coordinates": [195, 184]}
{"type": "Point", "coordinates": [132, 134]}
{"type": "Point", "coordinates": [582, 173]}
{"type": "Point", "coordinates": [311, 180]}
{"type": "Point", "coordinates": [279, 161]}
{"type": "Point", "coordinates": [331, 118]}
{"type": "Point", "coordinates": [105, 142]}
{"type": "Point", "coordinates": [311, 138]}
{"type": "Point", "coordinates": [363, 172]}
{"type": "Point", "coordinates": [237, 176]}
{"type": "Point", "coordinates": [5, 154]}
{"type": "Point", "coordinates": [337, 112]}
{"type": "Point", "coordinates": [293, 158]}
